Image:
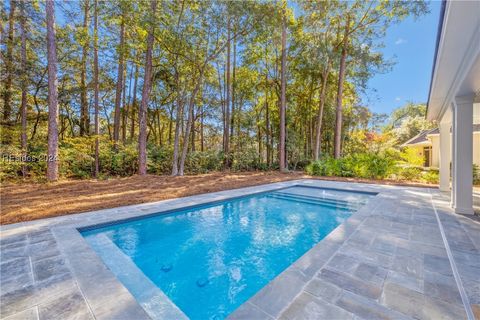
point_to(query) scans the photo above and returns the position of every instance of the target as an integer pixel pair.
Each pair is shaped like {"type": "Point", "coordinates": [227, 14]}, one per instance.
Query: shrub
{"type": "Point", "coordinates": [159, 160]}
{"type": "Point", "coordinates": [411, 156]}
{"type": "Point", "coordinates": [361, 165]}
{"type": "Point", "coordinates": [76, 157]}
{"type": "Point", "coordinates": [409, 173]}
{"type": "Point", "coordinates": [202, 162]}
{"type": "Point", "coordinates": [430, 176]}
{"type": "Point", "coordinates": [476, 174]}
{"type": "Point", "coordinates": [247, 160]}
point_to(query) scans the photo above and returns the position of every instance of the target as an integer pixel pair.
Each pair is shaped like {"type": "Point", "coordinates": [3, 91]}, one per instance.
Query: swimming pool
{"type": "Point", "coordinates": [210, 259]}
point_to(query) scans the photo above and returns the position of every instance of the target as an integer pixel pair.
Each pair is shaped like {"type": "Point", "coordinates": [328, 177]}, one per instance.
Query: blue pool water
{"type": "Point", "coordinates": [209, 260]}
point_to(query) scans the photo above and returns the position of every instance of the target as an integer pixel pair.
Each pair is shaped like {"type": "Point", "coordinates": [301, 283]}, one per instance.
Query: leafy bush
{"type": "Point", "coordinates": [76, 157]}
{"type": "Point", "coordinates": [476, 174]}
{"type": "Point", "coordinates": [361, 165]}
{"type": "Point", "coordinates": [411, 156]}
{"type": "Point", "coordinates": [247, 160]}
{"type": "Point", "coordinates": [409, 173]}
{"type": "Point", "coordinates": [202, 162]}
{"type": "Point", "coordinates": [430, 176]}
{"type": "Point", "coordinates": [159, 160]}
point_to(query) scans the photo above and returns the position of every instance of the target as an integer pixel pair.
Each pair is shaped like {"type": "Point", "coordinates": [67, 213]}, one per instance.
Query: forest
{"type": "Point", "coordinates": [98, 89]}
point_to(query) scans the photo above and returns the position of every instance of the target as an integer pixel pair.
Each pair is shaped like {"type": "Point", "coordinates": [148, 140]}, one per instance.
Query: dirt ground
{"type": "Point", "coordinates": [24, 202]}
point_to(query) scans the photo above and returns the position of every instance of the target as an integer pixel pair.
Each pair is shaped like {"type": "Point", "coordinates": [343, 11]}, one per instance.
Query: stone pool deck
{"type": "Point", "coordinates": [404, 255]}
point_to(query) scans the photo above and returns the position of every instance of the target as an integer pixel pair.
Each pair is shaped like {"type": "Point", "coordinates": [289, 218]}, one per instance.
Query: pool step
{"type": "Point", "coordinates": [318, 201]}
{"type": "Point", "coordinates": [322, 199]}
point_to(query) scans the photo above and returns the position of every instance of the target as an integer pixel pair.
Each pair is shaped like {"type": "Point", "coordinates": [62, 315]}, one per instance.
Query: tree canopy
{"type": "Point", "coordinates": [188, 86]}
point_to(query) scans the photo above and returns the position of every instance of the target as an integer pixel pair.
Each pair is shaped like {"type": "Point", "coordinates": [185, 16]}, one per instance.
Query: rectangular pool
{"type": "Point", "coordinates": [210, 259]}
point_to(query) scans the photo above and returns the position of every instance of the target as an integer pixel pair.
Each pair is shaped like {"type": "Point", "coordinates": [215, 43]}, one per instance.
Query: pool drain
{"type": "Point", "coordinates": [202, 282]}
{"type": "Point", "coordinates": [166, 267]}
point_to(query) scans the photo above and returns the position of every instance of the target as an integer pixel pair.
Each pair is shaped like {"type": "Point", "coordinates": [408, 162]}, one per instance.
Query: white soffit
{"type": "Point", "coordinates": [457, 67]}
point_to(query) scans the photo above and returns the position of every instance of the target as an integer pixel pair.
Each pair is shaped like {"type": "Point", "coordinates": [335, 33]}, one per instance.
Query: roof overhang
{"type": "Point", "coordinates": [456, 70]}
{"type": "Point", "coordinates": [418, 144]}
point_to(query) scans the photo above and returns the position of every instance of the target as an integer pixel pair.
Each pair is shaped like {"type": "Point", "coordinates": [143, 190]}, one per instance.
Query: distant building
{"type": "Point", "coordinates": [427, 145]}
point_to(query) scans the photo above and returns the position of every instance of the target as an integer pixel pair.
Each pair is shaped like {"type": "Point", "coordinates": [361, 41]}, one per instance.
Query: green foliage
{"type": "Point", "coordinates": [431, 176]}
{"type": "Point", "coordinates": [408, 173]}
{"type": "Point", "coordinates": [159, 160]}
{"type": "Point", "coordinates": [360, 165]}
{"type": "Point", "coordinates": [411, 156]}
{"type": "Point", "coordinates": [408, 121]}
{"type": "Point", "coordinates": [476, 174]}
{"type": "Point", "coordinates": [76, 157]}
{"type": "Point", "coordinates": [193, 55]}
{"type": "Point", "coordinates": [203, 162]}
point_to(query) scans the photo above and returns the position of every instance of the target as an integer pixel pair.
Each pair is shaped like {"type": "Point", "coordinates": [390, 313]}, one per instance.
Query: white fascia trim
{"type": "Point", "coordinates": [471, 55]}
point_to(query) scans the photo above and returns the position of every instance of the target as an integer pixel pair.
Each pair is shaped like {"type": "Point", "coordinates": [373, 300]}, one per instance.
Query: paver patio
{"type": "Point", "coordinates": [404, 255]}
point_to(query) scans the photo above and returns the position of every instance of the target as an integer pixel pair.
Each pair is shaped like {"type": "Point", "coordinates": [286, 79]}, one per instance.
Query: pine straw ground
{"type": "Point", "coordinates": [30, 201]}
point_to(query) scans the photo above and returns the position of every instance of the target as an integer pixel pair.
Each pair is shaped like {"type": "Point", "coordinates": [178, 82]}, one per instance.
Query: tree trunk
{"type": "Point", "coordinates": [170, 124]}
{"type": "Point", "coordinates": [202, 147]}
{"type": "Point", "coordinates": [193, 130]}
{"type": "Point", "coordinates": [7, 94]}
{"type": "Point", "coordinates": [84, 116]}
{"type": "Point", "coordinates": [283, 94]}
{"type": "Point", "coordinates": [226, 132]}
{"type": "Point", "coordinates": [320, 111]}
{"type": "Point", "coordinates": [129, 104]}
{"type": "Point", "coordinates": [339, 110]}
{"type": "Point", "coordinates": [134, 104]}
{"type": "Point", "coordinates": [118, 94]}
{"type": "Point", "coordinates": [124, 107]}
{"type": "Point", "coordinates": [52, 155]}
{"type": "Point", "coordinates": [178, 122]}
{"type": "Point", "coordinates": [189, 123]}
{"type": "Point", "coordinates": [259, 138]}
{"type": "Point", "coordinates": [96, 90]}
{"type": "Point", "coordinates": [179, 107]}
{"type": "Point", "coordinates": [147, 85]}
{"type": "Point", "coordinates": [233, 114]}
{"type": "Point", "coordinates": [23, 138]}
{"type": "Point", "coordinates": [268, 133]}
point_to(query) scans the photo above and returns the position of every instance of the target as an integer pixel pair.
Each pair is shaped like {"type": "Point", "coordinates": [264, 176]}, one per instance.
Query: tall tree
{"type": "Point", "coordinates": [364, 23]}
{"type": "Point", "coordinates": [7, 93]}
{"type": "Point", "coordinates": [339, 106]}
{"type": "Point", "coordinates": [52, 155]}
{"type": "Point", "coordinates": [120, 71]}
{"type": "Point", "coordinates": [147, 86]}
{"type": "Point", "coordinates": [96, 89]}
{"type": "Point", "coordinates": [283, 101]}
{"type": "Point", "coordinates": [179, 93]}
{"type": "Point", "coordinates": [323, 91]}
{"type": "Point", "coordinates": [84, 112]}
{"type": "Point", "coordinates": [24, 84]}
{"type": "Point", "coordinates": [134, 103]}
{"type": "Point", "coordinates": [226, 134]}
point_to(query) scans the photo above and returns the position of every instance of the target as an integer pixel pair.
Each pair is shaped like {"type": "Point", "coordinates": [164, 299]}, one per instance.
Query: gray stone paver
{"type": "Point", "coordinates": [29, 314]}
{"type": "Point", "coordinates": [387, 261]}
{"type": "Point", "coordinates": [309, 307]}
{"type": "Point", "coordinates": [71, 306]}
{"type": "Point", "coordinates": [367, 308]}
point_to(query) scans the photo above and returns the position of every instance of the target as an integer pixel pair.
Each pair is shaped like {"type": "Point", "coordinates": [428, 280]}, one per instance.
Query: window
{"type": "Point", "coordinates": [427, 156]}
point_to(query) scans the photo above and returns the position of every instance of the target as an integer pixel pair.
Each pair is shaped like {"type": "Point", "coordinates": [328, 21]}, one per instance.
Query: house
{"type": "Point", "coordinates": [426, 144]}
{"type": "Point", "coordinates": [454, 94]}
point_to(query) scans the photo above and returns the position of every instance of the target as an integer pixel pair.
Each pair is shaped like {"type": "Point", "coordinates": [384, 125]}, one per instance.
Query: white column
{"type": "Point", "coordinates": [452, 150]}
{"type": "Point", "coordinates": [445, 156]}
{"type": "Point", "coordinates": [463, 155]}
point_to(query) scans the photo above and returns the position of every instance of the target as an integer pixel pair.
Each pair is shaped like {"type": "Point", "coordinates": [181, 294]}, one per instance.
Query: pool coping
{"type": "Point", "coordinates": [106, 295]}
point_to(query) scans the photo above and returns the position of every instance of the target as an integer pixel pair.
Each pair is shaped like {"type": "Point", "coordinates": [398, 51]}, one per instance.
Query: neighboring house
{"type": "Point", "coordinates": [454, 94]}
{"type": "Point", "coordinates": [427, 145]}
